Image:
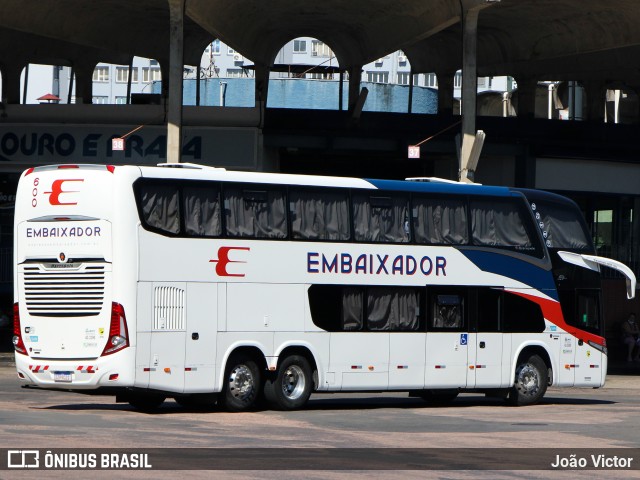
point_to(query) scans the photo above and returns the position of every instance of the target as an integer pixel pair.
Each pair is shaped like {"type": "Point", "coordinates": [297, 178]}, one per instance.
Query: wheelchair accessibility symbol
{"type": "Point", "coordinates": [463, 339]}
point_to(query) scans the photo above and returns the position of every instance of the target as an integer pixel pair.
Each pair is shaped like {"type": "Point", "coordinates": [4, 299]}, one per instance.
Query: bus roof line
{"type": "Point", "coordinates": [438, 180]}
{"type": "Point", "coordinates": [196, 166]}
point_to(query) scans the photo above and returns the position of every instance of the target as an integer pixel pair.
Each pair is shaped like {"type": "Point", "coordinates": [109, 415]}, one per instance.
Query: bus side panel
{"type": "Point", "coordinates": [566, 344]}
{"type": "Point", "coordinates": [200, 348]}
{"type": "Point", "coordinates": [407, 360]}
{"type": "Point", "coordinates": [447, 360]}
{"type": "Point", "coordinates": [361, 359]}
{"type": "Point", "coordinates": [143, 330]}
{"type": "Point", "coordinates": [168, 336]}
{"type": "Point", "coordinates": [590, 368]}
{"type": "Point", "coordinates": [265, 307]}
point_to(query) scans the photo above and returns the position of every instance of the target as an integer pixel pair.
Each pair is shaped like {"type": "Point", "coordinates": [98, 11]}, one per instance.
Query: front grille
{"type": "Point", "coordinates": [59, 293]}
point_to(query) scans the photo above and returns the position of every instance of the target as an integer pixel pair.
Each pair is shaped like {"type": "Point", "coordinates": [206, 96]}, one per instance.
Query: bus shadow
{"type": "Point", "coordinates": [330, 404]}
{"type": "Point", "coordinates": [412, 403]}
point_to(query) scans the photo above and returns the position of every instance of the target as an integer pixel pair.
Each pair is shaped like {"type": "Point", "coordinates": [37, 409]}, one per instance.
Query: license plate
{"type": "Point", "coordinates": [62, 376]}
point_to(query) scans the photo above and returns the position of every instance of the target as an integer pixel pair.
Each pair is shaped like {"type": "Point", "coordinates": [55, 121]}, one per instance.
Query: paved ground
{"type": "Point", "coordinates": [576, 418]}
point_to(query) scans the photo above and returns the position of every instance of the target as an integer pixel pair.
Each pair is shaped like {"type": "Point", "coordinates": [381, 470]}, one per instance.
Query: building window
{"type": "Point", "coordinates": [430, 80]}
{"type": "Point", "coordinates": [299, 46]}
{"type": "Point", "coordinates": [101, 74]}
{"type": "Point", "coordinates": [122, 75]}
{"type": "Point", "coordinates": [121, 100]}
{"type": "Point", "coordinates": [403, 78]}
{"type": "Point", "coordinates": [215, 47]}
{"type": "Point", "coordinates": [235, 73]}
{"type": "Point", "coordinates": [457, 80]}
{"type": "Point", "coordinates": [100, 100]}
{"type": "Point", "coordinates": [319, 76]}
{"type": "Point", "coordinates": [151, 74]}
{"type": "Point", "coordinates": [320, 49]}
{"type": "Point", "coordinates": [230, 51]}
{"type": "Point", "coordinates": [378, 77]}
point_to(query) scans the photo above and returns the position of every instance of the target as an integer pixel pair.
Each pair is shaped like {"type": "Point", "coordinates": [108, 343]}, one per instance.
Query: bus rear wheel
{"type": "Point", "coordinates": [291, 387]}
{"type": "Point", "coordinates": [241, 384]}
{"type": "Point", "coordinates": [530, 383]}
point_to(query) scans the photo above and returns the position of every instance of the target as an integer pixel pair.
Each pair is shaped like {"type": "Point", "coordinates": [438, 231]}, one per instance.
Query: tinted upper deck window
{"type": "Point", "coordinates": [160, 207]}
{"type": "Point", "coordinates": [255, 212]}
{"type": "Point", "coordinates": [503, 223]}
{"type": "Point", "coordinates": [381, 218]}
{"type": "Point", "coordinates": [319, 214]}
{"type": "Point", "coordinates": [440, 221]}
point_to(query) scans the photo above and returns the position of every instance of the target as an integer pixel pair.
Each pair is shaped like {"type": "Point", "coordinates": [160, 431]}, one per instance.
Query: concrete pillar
{"type": "Point", "coordinates": [526, 97]}
{"type": "Point", "coordinates": [262, 89]}
{"type": "Point", "coordinates": [355, 77]}
{"type": "Point", "coordinates": [445, 93]}
{"type": "Point", "coordinates": [596, 98]}
{"type": "Point", "coordinates": [470, 15]}
{"type": "Point", "coordinates": [11, 83]}
{"type": "Point", "coordinates": [410, 106]}
{"type": "Point", "coordinates": [341, 90]}
{"type": "Point", "coordinates": [176, 65]}
{"type": "Point", "coordinates": [84, 82]}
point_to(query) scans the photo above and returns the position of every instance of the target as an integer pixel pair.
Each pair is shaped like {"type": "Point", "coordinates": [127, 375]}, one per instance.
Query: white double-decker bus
{"type": "Point", "coordinates": [209, 285]}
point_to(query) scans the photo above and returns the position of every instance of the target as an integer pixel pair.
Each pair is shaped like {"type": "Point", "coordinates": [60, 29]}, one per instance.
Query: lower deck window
{"type": "Point", "coordinates": [347, 308]}
{"type": "Point", "coordinates": [447, 311]}
{"type": "Point", "coordinates": [343, 308]}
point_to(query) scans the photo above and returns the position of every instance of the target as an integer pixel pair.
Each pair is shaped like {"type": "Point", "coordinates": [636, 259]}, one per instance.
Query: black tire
{"type": "Point", "coordinates": [241, 384]}
{"type": "Point", "coordinates": [530, 382]}
{"type": "Point", "coordinates": [439, 397]}
{"type": "Point", "coordinates": [291, 386]}
{"type": "Point", "coordinates": [146, 402]}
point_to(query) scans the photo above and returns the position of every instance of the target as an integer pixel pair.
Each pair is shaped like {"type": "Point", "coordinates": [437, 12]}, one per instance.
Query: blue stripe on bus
{"type": "Point", "coordinates": [450, 188]}
{"type": "Point", "coordinates": [522, 271]}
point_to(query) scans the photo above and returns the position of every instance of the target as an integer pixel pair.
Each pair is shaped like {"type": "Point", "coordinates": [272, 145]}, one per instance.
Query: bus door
{"type": "Point", "coordinates": [168, 335]}
{"type": "Point", "coordinates": [488, 344]}
{"type": "Point", "coordinates": [447, 339]}
{"type": "Point", "coordinates": [580, 363]}
{"type": "Point", "coordinates": [589, 362]}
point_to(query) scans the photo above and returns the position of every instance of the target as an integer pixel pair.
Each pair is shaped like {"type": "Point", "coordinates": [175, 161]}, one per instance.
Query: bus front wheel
{"type": "Point", "coordinates": [241, 384]}
{"type": "Point", "coordinates": [291, 387]}
{"type": "Point", "coordinates": [530, 383]}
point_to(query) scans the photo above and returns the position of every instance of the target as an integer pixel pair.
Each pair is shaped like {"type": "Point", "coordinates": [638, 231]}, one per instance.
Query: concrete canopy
{"type": "Point", "coordinates": [523, 38]}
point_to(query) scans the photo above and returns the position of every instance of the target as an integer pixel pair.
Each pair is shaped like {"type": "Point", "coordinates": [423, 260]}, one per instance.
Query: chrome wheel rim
{"type": "Point", "coordinates": [293, 382]}
{"type": "Point", "coordinates": [528, 380]}
{"type": "Point", "coordinates": [241, 382]}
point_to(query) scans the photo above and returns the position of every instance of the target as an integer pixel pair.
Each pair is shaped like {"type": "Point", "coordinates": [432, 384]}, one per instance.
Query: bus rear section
{"type": "Point", "coordinates": [70, 327]}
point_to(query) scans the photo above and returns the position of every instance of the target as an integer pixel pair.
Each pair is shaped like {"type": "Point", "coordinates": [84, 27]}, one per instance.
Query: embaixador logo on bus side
{"type": "Point", "coordinates": [223, 261]}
